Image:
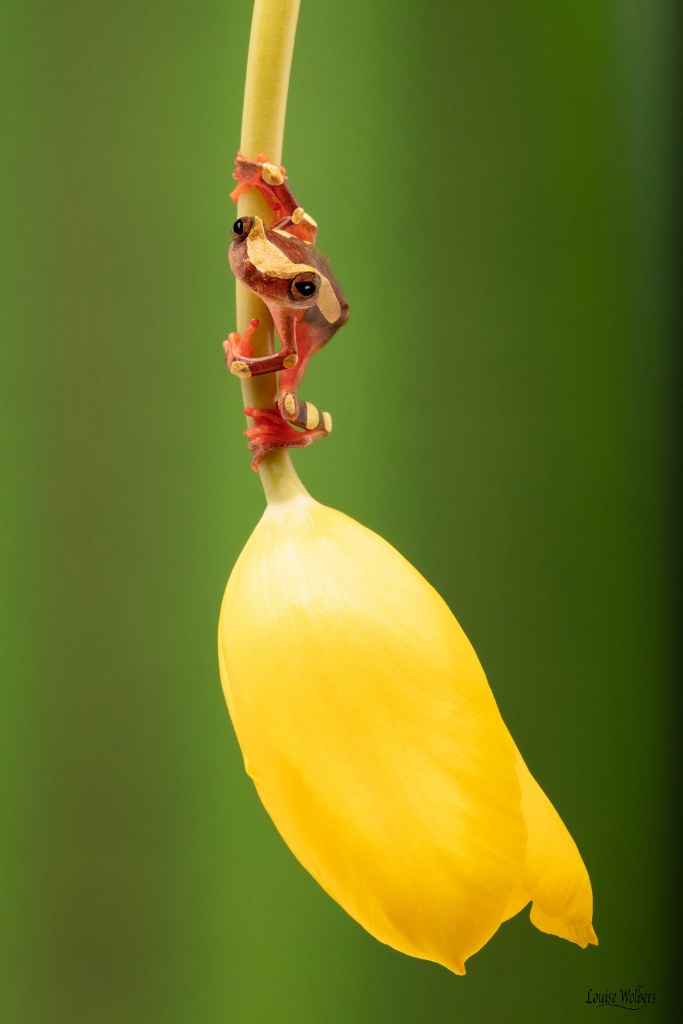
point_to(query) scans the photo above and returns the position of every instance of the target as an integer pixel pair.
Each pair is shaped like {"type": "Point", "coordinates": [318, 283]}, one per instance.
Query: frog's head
{"type": "Point", "coordinates": [273, 265]}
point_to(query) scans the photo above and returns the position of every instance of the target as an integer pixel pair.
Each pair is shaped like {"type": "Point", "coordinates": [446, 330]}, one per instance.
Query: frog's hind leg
{"type": "Point", "coordinates": [293, 424]}
{"type": "Point", "coordinates": [271, 431]}
{"type": "Point", "coordinates": [302, 414]}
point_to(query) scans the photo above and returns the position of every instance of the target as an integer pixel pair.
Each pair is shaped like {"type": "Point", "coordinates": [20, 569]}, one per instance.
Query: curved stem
{"type": "Point", "coordinates": [271, 43]}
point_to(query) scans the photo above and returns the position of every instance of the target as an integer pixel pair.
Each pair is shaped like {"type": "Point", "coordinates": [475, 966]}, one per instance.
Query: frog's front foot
{"type": "Point", "coordinates": [259, 173]}
{"type": "Point", "coordinates": [238, 350]}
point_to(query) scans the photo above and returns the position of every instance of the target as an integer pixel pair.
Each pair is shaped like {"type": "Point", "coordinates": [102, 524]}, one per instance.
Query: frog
{"type": "Point", "coordinates": [281, 264]}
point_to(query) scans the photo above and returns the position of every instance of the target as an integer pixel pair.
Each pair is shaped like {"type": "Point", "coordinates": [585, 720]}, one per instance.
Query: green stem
{"type": "Point", "coordinates": [271, 43]}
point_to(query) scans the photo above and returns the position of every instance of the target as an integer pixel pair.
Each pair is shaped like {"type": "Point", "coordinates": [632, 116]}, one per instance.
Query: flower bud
{"type": "Point", "coordinates": [370, 731]}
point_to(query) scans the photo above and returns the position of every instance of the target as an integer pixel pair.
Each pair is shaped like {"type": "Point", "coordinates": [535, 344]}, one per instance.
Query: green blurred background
{"type": "Point", "coordinates": [494, 185]}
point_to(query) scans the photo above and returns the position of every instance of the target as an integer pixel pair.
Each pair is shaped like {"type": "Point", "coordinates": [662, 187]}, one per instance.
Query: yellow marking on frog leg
{"type": "Point", "coordinates": [290, 404]}
{"type": "Point", "coordinates": [239, 368]}
{"type": "Point", "coordinates": [271, 174]}
{"type": "Point", "coordinates": [297, 215]}
{"type": "Point", "coordinates": [327, 422]}
{"type": "Point", "coordinates": [312, 416]}
{"type": "Point", "coordinates": [291, 360]}
{"type": "Point", "coordinates": [267, 258]}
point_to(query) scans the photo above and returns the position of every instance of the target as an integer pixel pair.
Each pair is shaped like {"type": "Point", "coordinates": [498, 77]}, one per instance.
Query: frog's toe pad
{"type": "Point", "coordinates": [240, 369]}
{"type": "Point", "coordinates": [289, 406]}
{"type": "Point", "coordinates": [271, 174]}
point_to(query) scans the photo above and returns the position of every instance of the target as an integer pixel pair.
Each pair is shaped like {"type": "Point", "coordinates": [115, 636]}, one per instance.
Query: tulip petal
{"type": "Point", "coordinates": [370, 731]}
{"type": "Point", "coordinates": [554, 874]}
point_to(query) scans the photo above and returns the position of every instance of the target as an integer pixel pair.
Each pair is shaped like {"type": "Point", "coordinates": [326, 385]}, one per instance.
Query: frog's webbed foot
{"type": "Point", "coordinates": [238, 350]}
{"type": "Point", "coordinates": [268, 178]}
{"type": "Point", "coordinates": [241, 361]}
{"type": "Point", "coordinates": [271, 431]}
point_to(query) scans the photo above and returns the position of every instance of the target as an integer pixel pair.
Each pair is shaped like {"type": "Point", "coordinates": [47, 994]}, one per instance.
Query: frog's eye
{"type": "Point", "coordinates": [304, 286]}
{"type": "Point", "coordinates": [241, 228]}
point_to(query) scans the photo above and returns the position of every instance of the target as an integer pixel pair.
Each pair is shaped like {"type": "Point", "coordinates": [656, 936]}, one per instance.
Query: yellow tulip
{"type": "Point", "coordinates": [375, 743]}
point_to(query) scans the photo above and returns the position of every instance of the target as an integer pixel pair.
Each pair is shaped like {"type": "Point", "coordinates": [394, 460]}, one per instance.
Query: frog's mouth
{"type": "Point", "coordinates": [270, 260]}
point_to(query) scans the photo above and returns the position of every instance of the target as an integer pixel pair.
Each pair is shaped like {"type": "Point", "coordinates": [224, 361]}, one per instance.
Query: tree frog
{"type": "Point", "coordinates": [283, 267]}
